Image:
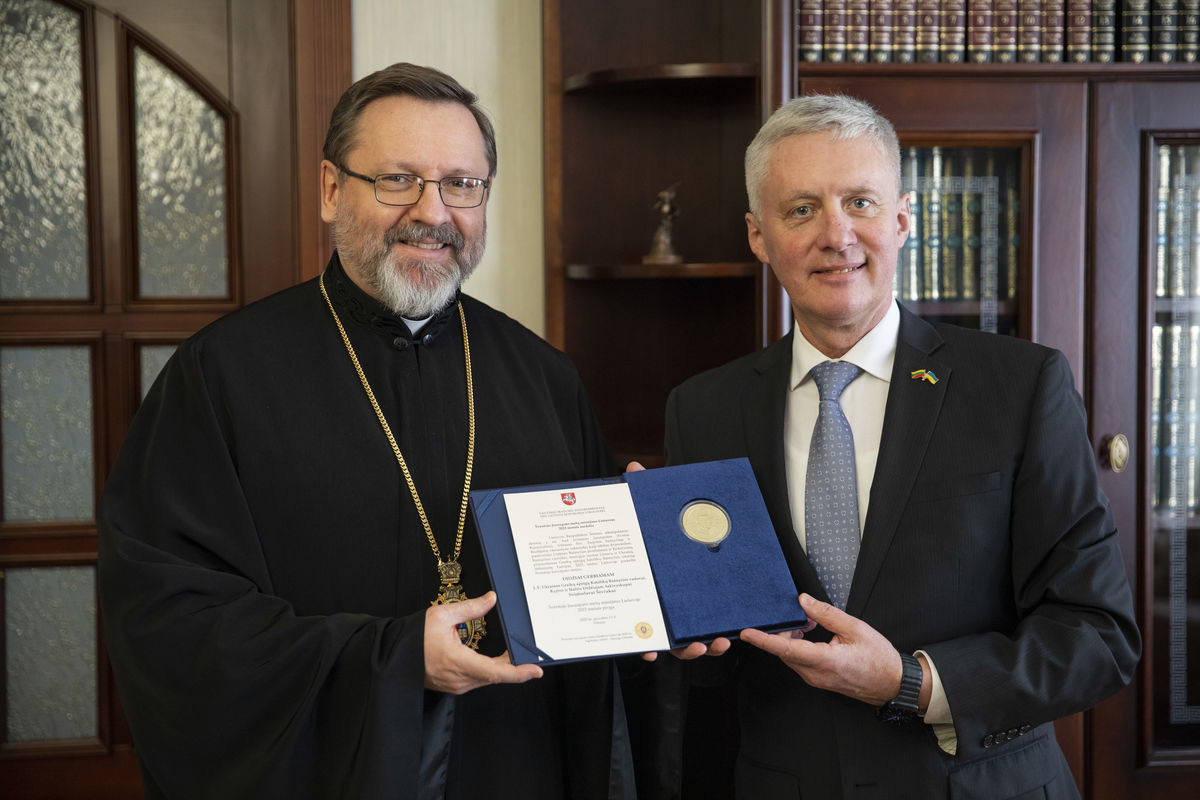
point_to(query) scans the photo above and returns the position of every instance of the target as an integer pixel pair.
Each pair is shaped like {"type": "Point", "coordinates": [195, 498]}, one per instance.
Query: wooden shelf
{"type": "Point", "coordinates": [1168, 306]}
{"type": "Point", "coordinates": [719, 269]}
{"type": "Point", "coordinates": [958, 308]}
{"type": "Point", "coordinates": [654, 73]}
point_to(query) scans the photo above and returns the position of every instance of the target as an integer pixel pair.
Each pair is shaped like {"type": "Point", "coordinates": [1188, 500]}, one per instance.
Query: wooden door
{"type": "Point", "coordinates": [1145, 319]}
{"type": "Point", "coordinates": [151, 159]}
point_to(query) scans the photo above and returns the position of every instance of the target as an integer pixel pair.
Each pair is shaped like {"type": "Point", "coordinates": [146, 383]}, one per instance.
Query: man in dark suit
{"type": "Point", "coordinates": [987, 596]}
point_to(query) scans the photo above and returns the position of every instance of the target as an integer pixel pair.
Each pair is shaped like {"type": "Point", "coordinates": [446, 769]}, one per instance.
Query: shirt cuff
{"type": "Point", "coordinates": [938, 713]}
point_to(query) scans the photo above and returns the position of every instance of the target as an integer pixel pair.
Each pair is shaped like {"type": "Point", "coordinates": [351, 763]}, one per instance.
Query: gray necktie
{"type": "Point", "coordinates": [831, 486]}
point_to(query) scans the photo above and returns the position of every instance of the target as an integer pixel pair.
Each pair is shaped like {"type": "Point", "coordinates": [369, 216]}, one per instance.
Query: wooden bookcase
{"type": "Point", "coordinates": [640, 95]}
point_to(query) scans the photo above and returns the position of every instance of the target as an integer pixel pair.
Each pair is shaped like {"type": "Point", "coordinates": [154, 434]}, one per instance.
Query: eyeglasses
{"type": "Point", "coordinates": [406, 190]}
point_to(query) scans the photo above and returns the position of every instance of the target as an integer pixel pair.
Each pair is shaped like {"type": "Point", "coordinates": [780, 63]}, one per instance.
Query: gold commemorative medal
{"type": "Point", "coordinates": [705, 522]}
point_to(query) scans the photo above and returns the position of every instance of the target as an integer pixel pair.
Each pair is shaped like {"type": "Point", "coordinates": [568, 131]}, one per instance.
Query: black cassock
{"type": "Point", "coordinates": [264, 574]}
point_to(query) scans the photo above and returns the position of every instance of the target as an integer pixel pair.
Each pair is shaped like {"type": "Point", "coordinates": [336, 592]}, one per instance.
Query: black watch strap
{"type": "Point", "coordinates": [906, 704]}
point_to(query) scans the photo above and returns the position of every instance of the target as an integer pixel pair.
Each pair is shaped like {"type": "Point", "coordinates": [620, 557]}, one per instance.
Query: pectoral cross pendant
{"type": "Point", "coordinates": [471, 631]}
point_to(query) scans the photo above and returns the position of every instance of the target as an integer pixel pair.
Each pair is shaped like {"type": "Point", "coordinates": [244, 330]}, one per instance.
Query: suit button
{"type": "Point", "coordinates": [400, 343]}
{"type": "Point", "coordinates": [1011, 734]}
{"type": "Point", "coordinates": [427, 338]}
{"type": "Point", "coordinates": [989, 740]}
{"type": "Point", "coordinates": [1024, 729]}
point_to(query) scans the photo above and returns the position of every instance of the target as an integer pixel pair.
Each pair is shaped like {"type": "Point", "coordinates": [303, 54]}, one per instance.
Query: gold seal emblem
{"type": "Point", "coordinates": [705, 522]}
{"type": "Point", "coordinates": [644, 630]}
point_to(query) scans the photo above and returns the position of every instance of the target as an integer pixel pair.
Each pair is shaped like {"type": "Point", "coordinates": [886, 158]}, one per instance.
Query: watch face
{"type": "Point", "coordinates": [890, 713]}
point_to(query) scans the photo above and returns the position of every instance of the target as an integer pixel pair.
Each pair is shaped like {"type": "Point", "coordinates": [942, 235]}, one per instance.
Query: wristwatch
{"type": "Point", "coordinates": [906, 704]}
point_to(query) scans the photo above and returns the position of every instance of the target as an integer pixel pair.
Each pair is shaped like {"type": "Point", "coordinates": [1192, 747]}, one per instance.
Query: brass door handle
{"type": "Point", "coordinates": [1114, 452]}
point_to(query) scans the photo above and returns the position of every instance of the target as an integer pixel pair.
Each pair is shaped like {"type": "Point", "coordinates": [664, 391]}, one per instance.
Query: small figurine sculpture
{"type": "Point", "coordinates": [662, 249]}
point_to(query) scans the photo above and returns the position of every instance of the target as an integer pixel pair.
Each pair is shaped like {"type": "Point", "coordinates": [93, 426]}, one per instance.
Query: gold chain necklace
{"type": "Point", "coordinates": [449, 571]}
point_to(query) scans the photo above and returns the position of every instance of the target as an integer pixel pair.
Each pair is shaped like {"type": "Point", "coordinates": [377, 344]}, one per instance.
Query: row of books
{"type": "Point", "coordinates": [1001, 31]}
{"type": "Point", "coordinates": [1177, 222]}
{"type": "Point", "coordinates": [964, 227]}
{"type": "Point", "coordinates": [1175, 410]}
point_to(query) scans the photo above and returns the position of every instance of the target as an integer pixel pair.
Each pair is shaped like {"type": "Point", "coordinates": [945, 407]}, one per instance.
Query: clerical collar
{"type": "Point", "coordinates": [363, 309]}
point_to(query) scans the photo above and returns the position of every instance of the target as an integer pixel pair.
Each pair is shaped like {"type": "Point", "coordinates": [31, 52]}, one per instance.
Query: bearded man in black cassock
{"type": "Point", "coordinates": [291, 498]}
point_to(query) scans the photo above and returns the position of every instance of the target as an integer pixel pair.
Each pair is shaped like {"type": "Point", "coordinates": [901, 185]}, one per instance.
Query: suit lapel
{"type": "Point", "coordinates": [763, 406]}
{"type": "Point", "coordinates": [908, 422]}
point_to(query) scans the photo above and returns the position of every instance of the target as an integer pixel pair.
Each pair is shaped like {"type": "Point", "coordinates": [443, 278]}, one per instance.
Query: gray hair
{"type": "Point", "coordinates": [846, 117]}
{"type": "Point", "coordinates": [401, 80]}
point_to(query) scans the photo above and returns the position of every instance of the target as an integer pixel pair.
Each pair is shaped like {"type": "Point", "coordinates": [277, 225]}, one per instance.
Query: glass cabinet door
{"type": "Point", "coordinates": [1145, 390]}
{"type": "Point", "coordinates": [961, 262]}
{"type": "Point", "coordinates": [1174, 390]}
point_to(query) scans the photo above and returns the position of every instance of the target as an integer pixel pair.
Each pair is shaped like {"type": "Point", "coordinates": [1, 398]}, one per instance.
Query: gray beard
{"type": "Point", "coordinates": [413, 288]}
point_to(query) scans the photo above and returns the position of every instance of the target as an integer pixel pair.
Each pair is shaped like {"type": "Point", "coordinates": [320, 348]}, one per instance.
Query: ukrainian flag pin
{"type": "Point", "coordinates": [923, 375]}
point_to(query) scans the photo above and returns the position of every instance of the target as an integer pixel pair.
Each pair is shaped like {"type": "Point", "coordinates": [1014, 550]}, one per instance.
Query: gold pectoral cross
{"type": "Point", "coordinates": [471, 631]}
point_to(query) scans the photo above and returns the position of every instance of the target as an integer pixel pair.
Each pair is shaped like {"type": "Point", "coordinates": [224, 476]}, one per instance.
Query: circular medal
{"type": "Point", "coordinates": [705, 522]}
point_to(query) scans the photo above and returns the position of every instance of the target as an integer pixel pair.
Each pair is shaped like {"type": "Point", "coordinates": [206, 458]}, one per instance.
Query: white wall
{"type": "Point", "coordinates": [494, 48]}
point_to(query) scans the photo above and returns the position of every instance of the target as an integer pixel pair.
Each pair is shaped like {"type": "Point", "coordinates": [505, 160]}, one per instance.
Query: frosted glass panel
{"type": "Point", "coordinates": [181, 186]}
{"type": "Point", "coordinates": [43, 193]}
{"type": "Point", "coordinates": [46, 433]}
{"type": "Point", "coordinates": [50, 653]}
{"type": "Point", "coordinates": [153, 358]}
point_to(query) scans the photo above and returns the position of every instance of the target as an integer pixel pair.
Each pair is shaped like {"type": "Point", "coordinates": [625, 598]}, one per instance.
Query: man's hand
{"type": "Point", "coordinates": [451, 666]}
{"type": "Point", "coordinates": [717, 647]}
{"type": "Point", "coordinates": [858, 662]}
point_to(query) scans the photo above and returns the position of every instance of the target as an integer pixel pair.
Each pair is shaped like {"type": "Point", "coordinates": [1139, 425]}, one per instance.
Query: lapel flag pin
{"type": "Point", "coordinates": [924, 375]}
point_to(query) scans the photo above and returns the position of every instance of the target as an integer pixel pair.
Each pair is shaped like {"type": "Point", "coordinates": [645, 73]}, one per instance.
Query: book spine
{"type": "Point", "coordinates": [1053, 28]}
{"type": "Point", "coordinates": [1162, 203]}
{"type": "Point", "coordinates": [931, 216]}
{"type": "Point", "coordinates": [1029, 30]}
{"type": "Point", "coordinates": [1192, 455]}
{"type": "Point", "coordinates": [952, 31]}
{"type": "Point", "coordinates": [1156, 413]}
{"type": "Point", "coordinates": [979, 31]}
{"type": "Point", "coordinates": [1135, 31]}
{"type": "Point", "coordinates": [881, 27]}
{"type": "Point", "coordinates": [1011, 188]}
{"type": "Point", "coordinates": [1004, 35]}
{"type": "Point", "coordinates": [904, 31]}
{"type": "Point", "coordinates": [907, 278]}
{"type": "Point", "coordinates": [972, 210]}
{"type": "Point", "coordinates": [1177, 454]}
{"type": "Point", "coordinates": [808, 30]}
{"type": "Point", "coordinates": [858, 30]}
{"type": "Point", "coordinates": [1104, 31]}
{"type": "Point", "coordinates": [1189, 31]}
{"type": "Point", "coordinates": [908, 273]}
{"type": "Point", "coordinates": [1079, 31]}
{"type": "Point", "coordinates": [1194, 177]}
{"type": "Point", "coordinates": [1179, 227]}
{"type": "Point", "coordinates": [928, 14]}
{"type": "Point", "coordinates": [952, 226]}
{"type": "Point", "coordinates": [1164, 30]}
{"type": "Point", "coordinates": [834, 37]}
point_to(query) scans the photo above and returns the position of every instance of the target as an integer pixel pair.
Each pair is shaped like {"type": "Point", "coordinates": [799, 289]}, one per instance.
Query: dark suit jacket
{"type": "Point", "coordinates": [987, 543]}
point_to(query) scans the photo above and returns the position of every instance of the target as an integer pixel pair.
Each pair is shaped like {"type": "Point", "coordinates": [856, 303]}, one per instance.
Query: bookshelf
{"type": "Point", "coordinates": [630, 110]}
{"type": "Point", "coordinates": [639, 95]}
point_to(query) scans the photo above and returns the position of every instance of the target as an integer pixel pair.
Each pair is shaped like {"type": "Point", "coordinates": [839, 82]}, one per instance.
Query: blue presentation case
{"type": "Point", "coordinates": [704, 591]}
